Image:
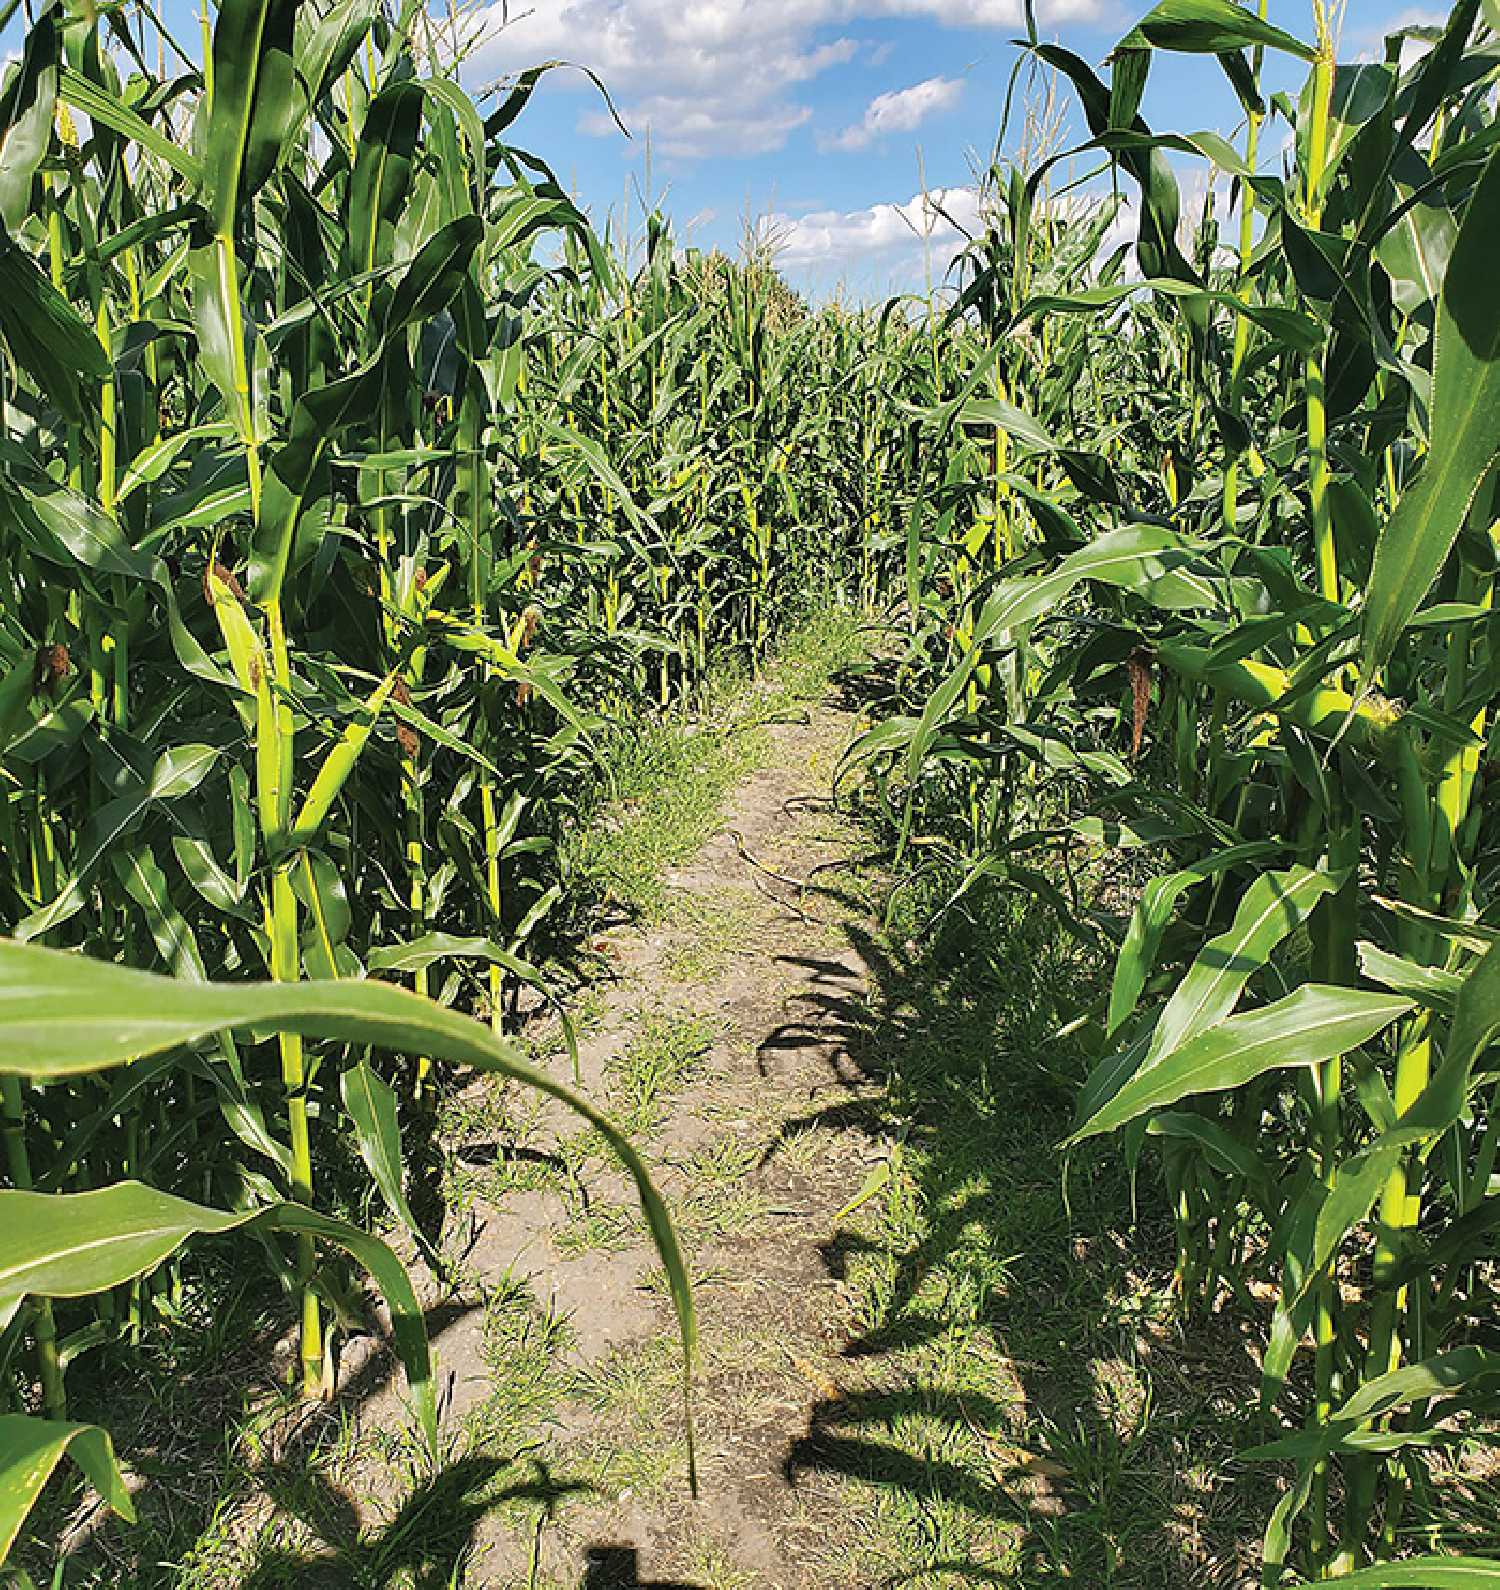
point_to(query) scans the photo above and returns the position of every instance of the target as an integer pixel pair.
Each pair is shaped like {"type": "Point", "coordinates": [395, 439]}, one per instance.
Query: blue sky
{"type": "Point", "coordinates": [820, 120]}
{"type": "Point", "coordinates": [829, 115]}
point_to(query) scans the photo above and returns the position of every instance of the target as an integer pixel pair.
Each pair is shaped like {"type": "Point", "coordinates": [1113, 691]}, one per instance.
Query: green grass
{"type": "Point", "coordinates": [719, 1199]}
{"type": "Point", "coordinates": [667, 773]}
{"type": "Point", "coordinates": [1019, 1408]}
{"type": "Point", "coordinates": [666, 1051]}
{"type": "Point", "coordinates": [636, 1445]}
{"type": "Point", "coordinates": [599, 1228]}
{"type": "Point", "coordinates": [830, 639]}
{"type": "Point", "coordinates": [667, 778]}
{"type": "Point", "coordinates": [706, 931]}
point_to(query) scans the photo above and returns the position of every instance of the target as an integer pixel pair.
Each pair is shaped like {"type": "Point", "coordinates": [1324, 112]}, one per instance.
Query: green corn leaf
{"type": "Point", "coordinates": [55, 728]}
{"type": "Point", "coordinates": [1149, 920]}
{"type": "Point", "coordinates": [524, 217]}
{"type": "Point", "coordinates": [99, 105]}
{"type": "Point", "coordinates": [371, 1104]}
{"type": "Point", "coordinates": [257, 101]}
{"type": "Point", "coordinates": [79, 1244]}
{"type": "Point", "coordinates": [62, 1014]}
{"type": "Point", "coordinates": [1436, 72]}
{"type": "Point", "coordinates": [431, 729]}
{"type": "Point", "coordinates": [382, 174]}
{"type": "Point", "coordinates": [1415, 254]}
{"type": "Point", "coordinates": [1222, 1148]}
{"type": "Point", "coordinates": [434, 277]}
{"type": "Point", "coordinates": [1016, 424]}
{"type": "Point", "coordinates": [16, 691]}
{"type": "Point", "coordinates": [598, 464]}
{"type": "Point", "coordinates": [318, 417]}
{"type": "Point", "coordinates": [45, 337]}
{"type": "Point", "coordinates": [1334, 1209]}
{"type": "Point", "coordinates": [217, 318]}
{"type": "Point", "coordinates": [1161, 200]}
{"type": "Point", "coordinates": [1429, 985]}
{"type": "Point", "coordinates": [1462, 1372]}
{"type": "Point", "coordinates": [157, 457]}
{"type": "Point", "coordinates": [1275, 905]}
{"type": "Point", "coordinates": [428, 285]}
{"type": "Point", "coordinates": [1128, 556]}
{"type": "Point", "coordinates": [142, 878]}
{"type": "Point", "coordinates": [524, 87]}
{"type": "Point", "coordinates": [180, 770]}
{"type": "Point", "coordinates": [410, 957]}
{"type": "Point", "coordinates": [1416, 540]}
{"type": "Point", "coordinates": [1421, 1573]}
{"type": "Point", "coordinates": [321, 889]}
{"type": "Point", "coordinates": [177, 772]}
{"type": "Point", "coordinates": [64, 526]}
{"type": "Point", "coordinates": [432, 947]}
{"type": "Point", "coordinates": [338, 764]}
{"type": "Point", "coordinates": [30, 1449]}
{"type": "Point", "coordinates": [26, 107]}
{"type": "Point", "coordinates": [1315, 1024]}
{"type": "Point", "coordinates": [1475, 1026]}
{"type": "Point", "coordinates": [1297, 331]}
{"type": "Point", "coordinates": [1210, 27]}
{"type": "Point", "coordinates": [1109, 1076]}
{"type": "Point", "coordinates": [324, 45]}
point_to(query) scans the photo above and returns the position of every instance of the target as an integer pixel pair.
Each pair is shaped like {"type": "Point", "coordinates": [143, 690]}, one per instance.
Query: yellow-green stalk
{"type": "Point", "coordinates": [43, 1325]}
{"type": "Point", "coordinates": [1317, 413]}
{"type": "Point", "coordinates": [268, 679]}
{"type": "Point", "coordinates": [1246, 251]}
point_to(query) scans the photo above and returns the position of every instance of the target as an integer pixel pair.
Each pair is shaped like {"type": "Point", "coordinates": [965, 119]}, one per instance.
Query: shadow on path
{"type": "Point", "coordinates": [1020, 1405]}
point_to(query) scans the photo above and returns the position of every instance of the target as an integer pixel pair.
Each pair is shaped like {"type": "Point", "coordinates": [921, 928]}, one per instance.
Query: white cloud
{"type": "Point", "coordinates": [983, 13]}
{"type": "Point", "coordinates": [901, 110]}
{"type": "Point", "coordinates": [842, 239]}
{"type": "Point", "coordinates": [714, 76]}
{"type": "Point", "coordinates": [1371, 40]}
{"type": "Point", "coordinates": [894, 243]}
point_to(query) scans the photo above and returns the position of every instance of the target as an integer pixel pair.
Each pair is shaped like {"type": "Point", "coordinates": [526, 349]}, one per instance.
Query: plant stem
{"type": "Point", "coordinates": [1241, 322]}
{"type": "Point", "coordinates": [1317, 412]}
{"type": "Point", "coordinates": [43, 1325]}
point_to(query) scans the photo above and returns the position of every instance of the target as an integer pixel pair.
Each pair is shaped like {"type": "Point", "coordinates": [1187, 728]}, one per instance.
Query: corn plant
{"type": "Point", "coordinates": [262, 325]}
{"type": "Point", "coordinates": [1288, 607]}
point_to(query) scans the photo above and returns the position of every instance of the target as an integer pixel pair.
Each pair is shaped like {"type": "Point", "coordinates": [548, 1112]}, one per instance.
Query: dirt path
{"type": "Point", "coordinates": [727, 1039]}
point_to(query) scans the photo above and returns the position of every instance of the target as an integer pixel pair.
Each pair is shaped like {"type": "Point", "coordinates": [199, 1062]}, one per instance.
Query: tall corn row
{"type": "Point", "coordinates": [277, 697]}
{"type": "Point", "coordinates": [1263, 515]}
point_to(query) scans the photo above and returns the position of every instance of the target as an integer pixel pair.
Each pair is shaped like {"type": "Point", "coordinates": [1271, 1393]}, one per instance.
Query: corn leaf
{"type": "Point", "coordinates": [31, 1449]}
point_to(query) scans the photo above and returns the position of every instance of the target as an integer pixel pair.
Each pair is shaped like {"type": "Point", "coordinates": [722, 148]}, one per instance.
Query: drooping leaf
{"type": "Point", "coordinates": [62, 1014]}
{"type": "Point", "coordinates": [1308, 1028]}
{"type": "Point", "coordinates": [30, 1449]}
{"type": "Point", "coordinates": [1420, 534]}
{"type": "Point", "coordinates": [1210, 27]}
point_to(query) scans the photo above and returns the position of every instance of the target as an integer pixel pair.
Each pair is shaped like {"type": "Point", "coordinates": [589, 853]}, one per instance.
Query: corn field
{"type": "Point", "coordinates": [353, 483]}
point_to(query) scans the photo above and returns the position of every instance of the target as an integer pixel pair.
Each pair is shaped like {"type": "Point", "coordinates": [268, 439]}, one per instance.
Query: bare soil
{"type": "Point", "coordinates": [755, 944]}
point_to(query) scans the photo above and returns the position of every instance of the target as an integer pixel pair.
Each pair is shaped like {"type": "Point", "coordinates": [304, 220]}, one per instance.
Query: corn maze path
{"type": "Point", "coordinates": [733, 1029]}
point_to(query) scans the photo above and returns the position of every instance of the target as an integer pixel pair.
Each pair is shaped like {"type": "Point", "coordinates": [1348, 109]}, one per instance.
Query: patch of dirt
{"type": "Point", "coordinates": [754, 944]}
